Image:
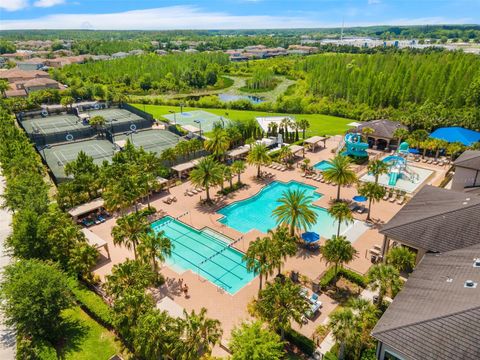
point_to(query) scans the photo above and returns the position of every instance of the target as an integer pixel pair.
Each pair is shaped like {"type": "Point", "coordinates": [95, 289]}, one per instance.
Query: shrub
{"type": "Point", "coordinates": [350, 275]}
{"type": "Point", "coordinates": [305, 344]}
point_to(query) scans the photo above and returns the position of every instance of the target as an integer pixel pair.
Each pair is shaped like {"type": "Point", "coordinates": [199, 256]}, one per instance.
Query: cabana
{"type": "Point", "coordinates": [86, 208]}
{"type": "Point", "coordinates": [313, 141]}
{"type": "Point", "coordinates": [456, 134]}
{"type": "Point", "coordinates": [171, 307]}
{"type": "Point", "coordinates": [296, 149]}
{"type": "Point", "coordinates": [96, 241]}
{"type": "Point", "coordinates": [189, 165]}
{"type": "Point", "coordinates": [238, 152]}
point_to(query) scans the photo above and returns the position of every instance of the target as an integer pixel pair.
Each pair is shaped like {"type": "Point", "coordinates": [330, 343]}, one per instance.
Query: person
{"type": "Point", "coordinates": [185, 290]}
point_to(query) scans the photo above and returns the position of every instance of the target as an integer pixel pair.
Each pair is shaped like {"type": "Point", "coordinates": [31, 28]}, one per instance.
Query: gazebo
{"type": "Point", "coordinates": [295, 149]}
{"type": "Point", "coordinates": [186, 166]}
{"type": "Point", "coordinates": [238, 152]}
{"type": "Point", "coordinates": [86, 208]}
{"type": "Point", "coordinates": [313, 141]}
{"type": "Point", "coordinates": [96, 241]}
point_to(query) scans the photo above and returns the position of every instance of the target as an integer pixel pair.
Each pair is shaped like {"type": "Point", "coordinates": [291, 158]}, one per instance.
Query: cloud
{"type": "Point", "coordinates": [13, 5]}
{"type": "Point", "coordinates": [48, 3]}
{"type": "Point", "coordinates": [374, 2]}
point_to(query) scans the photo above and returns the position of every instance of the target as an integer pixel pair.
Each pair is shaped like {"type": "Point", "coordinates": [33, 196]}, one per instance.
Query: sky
{"type": "Point", "coordinates": [230, 14]}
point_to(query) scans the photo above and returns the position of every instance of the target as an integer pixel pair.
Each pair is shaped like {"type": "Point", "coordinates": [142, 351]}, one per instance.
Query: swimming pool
{"type": "Point", "coordinates": [256, 212]}
{"type": "Point", "coordinates": [322, 165]}
{"type": "Point", "coordinates": [206, 253]}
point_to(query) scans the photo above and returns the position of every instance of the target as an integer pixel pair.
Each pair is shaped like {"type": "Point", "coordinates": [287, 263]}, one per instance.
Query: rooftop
{"type": "Point", "coordinates": [456, 134]}
{"type": "Point", "coordinates": [469, 159]}
{"type": "Point", "coordinates": [383, 128]}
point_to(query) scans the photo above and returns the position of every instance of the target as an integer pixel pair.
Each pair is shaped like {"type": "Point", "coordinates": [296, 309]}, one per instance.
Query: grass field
{"type": "Point", "coordinates": [319, 124]}
{"type": "Point", "coordinates": [87, 339]}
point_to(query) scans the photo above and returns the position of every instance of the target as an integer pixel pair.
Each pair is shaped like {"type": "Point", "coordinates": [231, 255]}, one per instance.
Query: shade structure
{"type": "Point", "coordinates": [360, 198]}
{"type": "Point", "coordinates": [414, 151]}
{"type": "Point", "coordinates": [456, 134]}
{"type": "Point", "coordinates": [310, 237]}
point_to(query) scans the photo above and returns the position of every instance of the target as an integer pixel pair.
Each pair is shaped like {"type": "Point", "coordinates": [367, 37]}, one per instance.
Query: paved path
{"type": "Point", "coordinates": [7, 337]}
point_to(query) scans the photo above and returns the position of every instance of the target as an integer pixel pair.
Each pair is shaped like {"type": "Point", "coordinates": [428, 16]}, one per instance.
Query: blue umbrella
{"type": "Point", "coordinates": [310, 237]}
{"type": "Point", "coordinates": [414, 151]}
{"type": "Point", "coordinates": [360, 198]}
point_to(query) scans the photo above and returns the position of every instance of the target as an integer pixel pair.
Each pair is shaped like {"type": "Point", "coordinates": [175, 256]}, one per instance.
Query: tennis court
{"type": "Point", "coordinates": [59, 155]}
{"type": "Point", "coordinates": [206, 119]}
{"type": "Point", "coordinates": [206, 253]}
{"type": "Point", "coordinates": [120, 120]}
{"type": "Point", "coordinates": [53, 124]}
{"type": "Point", "coordinates": [151, 139]}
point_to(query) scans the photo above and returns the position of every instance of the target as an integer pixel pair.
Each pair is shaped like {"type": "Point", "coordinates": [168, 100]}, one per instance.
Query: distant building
{"type": "Point", "coordinates": [467, 172]}
{"type": "Point", "coordinates": [119, 55]}
{"type": "Point", "coordinates": [31, 64]}
{"type": "Point", "coordinates": [382, 136]}
{"type": "Point", "coordinates": [14, 75]}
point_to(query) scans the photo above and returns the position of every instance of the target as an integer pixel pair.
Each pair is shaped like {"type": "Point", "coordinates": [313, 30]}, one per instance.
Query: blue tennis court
{"type": "Point", "coordinates": [206, 253]}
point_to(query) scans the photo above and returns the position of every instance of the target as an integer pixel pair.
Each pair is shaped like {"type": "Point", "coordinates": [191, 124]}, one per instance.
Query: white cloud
{"type": "Point", "coordinates": [48, 3]}
{"type": "Point", "coordinates": [13, 5]}
{"type": "Point", "coordinates": [374, 2]}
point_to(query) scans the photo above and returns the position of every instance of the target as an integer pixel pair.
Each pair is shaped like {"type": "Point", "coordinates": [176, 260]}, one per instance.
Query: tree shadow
{"type": "Point", "coordinates": [73, 333]}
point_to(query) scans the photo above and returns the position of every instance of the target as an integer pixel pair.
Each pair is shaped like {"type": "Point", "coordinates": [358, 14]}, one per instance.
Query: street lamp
{"type": "Point", "coordinates": [174, 116]}
{"type": "Point", "coordinates": [130, 133]}
{"type": "Point", "coordinates": [200, 124]}
{"type": "Point", "coordinates": [181, 107]}
{"type": "Point", "coordinates": [42, 149]}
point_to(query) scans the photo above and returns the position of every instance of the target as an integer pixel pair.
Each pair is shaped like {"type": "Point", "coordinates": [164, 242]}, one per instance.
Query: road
{"type": "Point", "coordinates": [7, 337]}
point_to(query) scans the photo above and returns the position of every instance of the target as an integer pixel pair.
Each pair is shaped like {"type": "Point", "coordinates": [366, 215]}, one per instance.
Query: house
{"type": "Point", "coordinates": [383, 130]}
{"type": "Point", "coordinates": [119, 55]}
{"type": "Point", "coordinates": [435, 220]}
{"type": "Point", "coordinates": [31, 64]}
{"type": "Point", "coordinates": [437, 313]}
{"type": "Point", "coordinates": [15, 93]}
{"type": "Point", "coordinates": [467, 172]}
{"type": "Point", "coordinates": [39, 84]}
{"type": "Point", "coordinates": [14, 75]}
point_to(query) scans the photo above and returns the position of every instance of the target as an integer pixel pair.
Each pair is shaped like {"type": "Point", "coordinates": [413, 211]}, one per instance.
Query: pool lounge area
{"type": "Point", "coordinates": [206, 253]}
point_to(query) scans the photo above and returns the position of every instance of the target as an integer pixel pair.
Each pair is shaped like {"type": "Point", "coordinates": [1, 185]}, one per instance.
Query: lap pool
{"type": "Point", "coordinates": [256, 212]}
{"type": "Point", "coordinates": [206, 253]}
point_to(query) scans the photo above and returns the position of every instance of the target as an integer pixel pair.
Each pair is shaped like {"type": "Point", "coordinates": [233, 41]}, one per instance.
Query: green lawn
{"type": "Point", "coordinates": [87, 339]}
{"type": "Point", "coordinates": [319, 124]}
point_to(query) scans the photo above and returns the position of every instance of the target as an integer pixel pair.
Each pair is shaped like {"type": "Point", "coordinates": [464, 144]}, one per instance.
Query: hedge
{"type": "Point", "coordinates": [91, 303]}
{"type": "Point", "coordinates": [305, 344]}
{"type": "Point", "coordinates": [350, 275]}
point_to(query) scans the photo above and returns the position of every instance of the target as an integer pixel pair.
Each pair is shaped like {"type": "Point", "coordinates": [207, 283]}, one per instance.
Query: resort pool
{"type": "Point", "coordinates": [322, 165]}
{"type": "Point", "coordinates": [256, 212]}
{"type": "Point", "coordinates": [206, 253]}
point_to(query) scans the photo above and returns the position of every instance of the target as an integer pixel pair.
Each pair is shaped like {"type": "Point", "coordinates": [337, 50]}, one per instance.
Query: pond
{"type": "Point", "coordinates": [232, 97]}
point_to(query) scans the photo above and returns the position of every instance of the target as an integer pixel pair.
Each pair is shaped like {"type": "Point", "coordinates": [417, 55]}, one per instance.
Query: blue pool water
{"type": "Point", "coordinates": [322, 165]}
{"type": "Point", "coordinates": [230, 97]}
{"type": "Point", "coordinates": [256, 212]}
{"type": "Point", "coordinates": [206, 253]}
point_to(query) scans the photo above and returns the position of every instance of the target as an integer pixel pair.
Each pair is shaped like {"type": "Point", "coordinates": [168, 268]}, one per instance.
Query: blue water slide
{"type": "Point", "coordinates": [393, 178]}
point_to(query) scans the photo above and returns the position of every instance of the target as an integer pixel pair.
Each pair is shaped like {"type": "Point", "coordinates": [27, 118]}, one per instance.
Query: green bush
{"type": "Point", "coordinates": [350, 275]}
{"type": "Point", "coordinates": [91, 303]}
{"type": "Point", "coordinates": [305, 344]}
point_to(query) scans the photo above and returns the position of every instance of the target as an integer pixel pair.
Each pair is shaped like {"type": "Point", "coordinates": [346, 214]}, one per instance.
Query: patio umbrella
{"type": "Point", "coordinates": [310, 237]}
{"type": "Point", "coordinates": [360, 198]}
{"type": "Point", "coordinates": [414, 151]}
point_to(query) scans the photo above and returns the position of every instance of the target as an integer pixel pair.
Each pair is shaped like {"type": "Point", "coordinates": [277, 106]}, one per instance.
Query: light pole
{"type": "Point", "coordinates": [130, 133]}
{"type": "Point", "coordinates": [181, 107]}
{"type": "Point", "coordinates": [42, 149]}
{"type": "Point", "coordinates": [200, 124]}
{"type": "Point", "coordinates": [174, 116]}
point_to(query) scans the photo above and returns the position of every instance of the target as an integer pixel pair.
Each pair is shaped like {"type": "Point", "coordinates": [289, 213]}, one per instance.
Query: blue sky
{"type": "Point", "coordinates": [231, 14]}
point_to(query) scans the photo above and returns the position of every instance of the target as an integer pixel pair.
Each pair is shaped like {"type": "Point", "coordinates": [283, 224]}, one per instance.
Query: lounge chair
{"type": "Point", "coordinates": [401, 200]}
{"type": "Point", "coordinates": [101, 218]}
{"type": "Point", "coordinates": [429, 161]}
{"type": "Point", "coordinates": [334, 184]}
{"type": "Point", "coordinates": [189, 193]}
{"type": "Point", "coordinates": [361, 209]}
{"type": "Point", "coordinates": [303, 175]}
{"type": "Point", "coordinates": [353, 206]}
{"type": "Point", "coordinates": [322, 180]}
{"type": "Point", "coordinates": [167, 201]}
{"type": "Point", "coordinates": [424, 160]}
{"type": "Point", "coordinates": [393, 198]}
{"type": "Point", "coordinates": [387, 195]}
{"type": "Point", "coordinates": [314, 298]}
{"type": "Point", "coordinates": [435, 162]}
{"type": "Point", "coordinates": [328, 182]}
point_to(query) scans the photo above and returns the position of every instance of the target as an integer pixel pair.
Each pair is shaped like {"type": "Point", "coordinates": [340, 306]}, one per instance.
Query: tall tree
{"type": "Point", "coordinates": [341, 212]}
{"type": "Point", "coordinates": [154, 247]}
{"type": "Point", "coordinates": [385, 278]}
{"type": "Point", "coordinates": [340, 172]}
{"type": "Point", "coordinates": [258, 258]}
{"type": "Point", "coordinates": [374, 192]}
{"type": "Point", "coordinates": [284, 245]}
{"type": "Point", "coordinates": [401, 258]}
{"type": "Point", "coordinates": [238, 167]}
{"type": "Point", "coordinates": [338, 251]}
{"type": "Point", "coordinates": [377, 168]}
{"type": "Point", "coordinates": [258, 156]}
{"type": "Point", "coordinates": [303, 125]}
{"type": "Point", "coordinates": [129, 230]}
{"type": "Point", "coordinates": [295, 210]}
{"type": "Point", "coordinates": [129, 275]}
{"type": "Point", "coordinates": [207, 173]}
{"type": "Point", "coordinates": [341, 323]}
{"type": "Point", "coordinates": [400, 134]}
{"type": "Point", "coordinates": [217, 143]}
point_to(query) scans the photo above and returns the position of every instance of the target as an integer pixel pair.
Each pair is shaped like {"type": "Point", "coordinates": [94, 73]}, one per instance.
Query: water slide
{"type": "Point", "coordinates": [355, 146]}
{"type": "Point", "coordinates": [392, 181]}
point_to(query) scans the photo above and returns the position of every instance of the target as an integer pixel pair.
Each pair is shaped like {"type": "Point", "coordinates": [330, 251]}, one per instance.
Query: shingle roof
{"type": "Point", "coordinates": [383, 128]}
{"type": "Point", "coordinates": [469, 159]}
{"type": "Point", "coordinates": [435, 316]}
{"type": "Point", "coordinates": [437, 220]}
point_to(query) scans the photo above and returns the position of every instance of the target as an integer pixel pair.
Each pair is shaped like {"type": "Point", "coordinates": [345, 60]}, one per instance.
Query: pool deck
{"type": "Point", "coordinates": [231, 310]}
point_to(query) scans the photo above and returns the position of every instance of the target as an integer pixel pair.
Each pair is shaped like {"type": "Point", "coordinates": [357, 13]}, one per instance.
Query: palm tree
{"type": "Point", "coordinates": [129, 275]}
{"type": "Point", "coordinates": [437, 145]}
{"type": "Point", "coordinates": [284, 245]}
{"type": "Point", "coordinates": [207, 173]}
{"type": "Point", "coordinates": [154, 247]}
{"type": "Point", "coordinates": [280, 303]}
{"type": "Point", "coordinates": [401, 258]}
{"type": "Point", "coordinates": [129, 230]}
{"type": "Point", "coordinates": [258, 258]}
{"type": "Point", "coordinates": [341, 212]}
{"type": "Point", "coordinates": [417, 137]}
{"type": "Point", "coordinates": [228, 173]}
{"type": "Point", "coordinates": [341, 323]}
{"type": "Point", "coordinates": [426, 145]}
{"type": "Point", "coordinates": [400, 134]}
{"type": "Point", "coordinates": [258, 156]}
{"type": "Point", "coordinates": [238, 167]}
{"type": "Point", "coordinates": [284, 124]}
{"type": "Point", "coordinates": [303, 125]}
{"type": "Point", "coordinates": [338, 251]}
{"type": "Point", "coordinates": [295, 210]}
{"type": "Point", "coordinates": [377, 168]}
{"type": "Point", "coordinates": [217, 143]}
{"type": "Point", "coordinates": [385, 278]}
{"type": "Point", "coordinates": [374, 192]}
{"type": "Point", "coordinates": [367, 131]}
{"type": "Point", "coordinates": [199, 334]}
{"type": "Point", "coordinates": [169, 155]}
{"type": "Point", "coordinates": [454, 148]}
{"type": "Point", "coordinates": [305, 164]}
{"type": "Point", "coordinates": [285, 153]}
{"type": "Point", "coordinates": [366, 317]}
{"type": "Point", "coordinates": [340, 172]}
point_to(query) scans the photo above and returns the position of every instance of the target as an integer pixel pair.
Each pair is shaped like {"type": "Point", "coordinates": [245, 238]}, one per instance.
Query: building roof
{"type": "Point", "coordinates": [437, 220]}
{"type": "Point", "coordinates": [435, 316]}
{"type": "Point", "coordinates": [93, 239]}
{"type": "Point", "coordinates": [469, 159]}
{"type": "Point", "coordinates": [14, 93]}
{"type": "Point", "coordinates": [86, 208]}
{"type": "Point", "coordinates": [40, 82]}
{"type": "Point", "coordinates": [383, 128]}
{"type": "Point", "coordinates": [456, 134]}
{"type": "Point", "coordinates": [23, 74]}
{"type": "Point", "coordinates": [315, 139]}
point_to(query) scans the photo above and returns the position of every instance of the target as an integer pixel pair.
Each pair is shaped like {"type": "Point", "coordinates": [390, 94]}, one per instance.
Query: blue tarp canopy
{"type": "Point", "coordinates": [456, 134]}
{"type": "Point", "coordinates": [414, 151]}
{"type": "Point", "coordinates": [359, 198]}
{"type": "Point", "coordinates": [310, 237]}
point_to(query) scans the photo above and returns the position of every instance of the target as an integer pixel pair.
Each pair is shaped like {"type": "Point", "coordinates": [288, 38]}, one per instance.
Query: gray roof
{"type": "Point", "coordinates": [437, 220]}
{"type": "Point", "coordinates": [469, 159]}
{"type": "Point", "coordinates": [432, 318]}
{"type": "Point", "coordinates": [383, 128]}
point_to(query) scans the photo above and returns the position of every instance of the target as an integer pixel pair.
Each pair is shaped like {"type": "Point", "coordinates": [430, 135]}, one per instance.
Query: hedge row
{"type": "Point", "coordinates": [350, 275]}
{"type": "Point", "coordinates": [305, 344]}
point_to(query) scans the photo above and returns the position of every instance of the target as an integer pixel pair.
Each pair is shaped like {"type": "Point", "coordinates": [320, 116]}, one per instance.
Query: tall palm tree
{"type": "Point", "coordinates": [284, 124]}
{"type": "Point", "coordinates": [169, 155]}
{"type": "Point", "coordinates": [198, 335]}
{"type": "Point", "coordinates": [228, 173]}
{"type": "Point", "coordinates": [285, 153]}
{"type": "Point", "coordinates": [127, 276]}
{"type": "Point", "coordinates": [454, 148]}
{"type": "Point", "coordinates": [217, 143]}
{"type": "Point", "coordinates": [385, 278]}
{"type": "Point", "coordinates": [258, 258]}
{"type": "Point", "coordinates": [338, 251]}
{"type": "Point", "coordinates": [401, 258]}
{"type": "Point", "coordinates": [207, 173]}
{"type": "Point", "coordinates": [238, 167]}
{"type": "Point", "coordinates": [374, 192]}
{"type": "Point", "coordinates": [400, 134]}
{"type": "Point", "coordinates": [417, 137]}
{"type": "Point", "coordinates": [258, 156]}
{"type": "Point", "coordinates": [340, 172]}
{"type": "Point", "coordinates": [341, 212]}
{"type": "Point", "coordinates": [367, 131]}
{"type": "Point", "coordinates": [303, 125]}
{"type": "Point", "coordinates": [341, 323]}
{"type": "Point", "coordinates": [377, 168]}
{"type": "Point", "coordinates": [437, 145]}
{"type": "Point", "coordinates": [154, 247]}
{"type": "Point", "coordinates": [129, 230]}
{"type": "Point", "coordinates": [295, 210]}
{"type": "Point", "coordinates": [284, 245]}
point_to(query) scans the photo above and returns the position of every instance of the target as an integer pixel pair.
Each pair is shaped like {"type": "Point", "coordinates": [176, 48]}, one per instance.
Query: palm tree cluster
{"type": "Point", "coordinates": [287, 123]}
